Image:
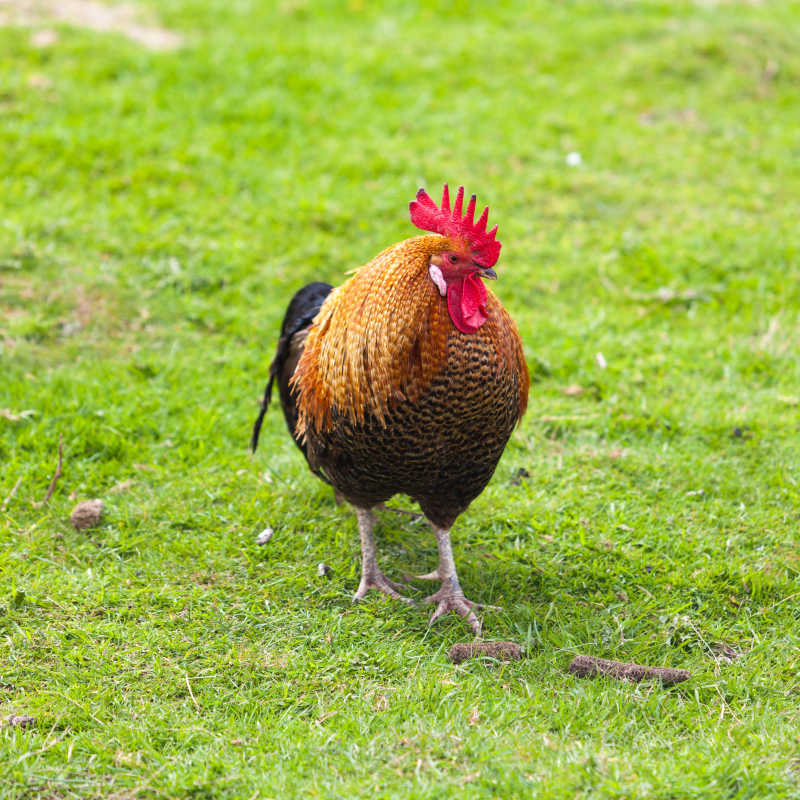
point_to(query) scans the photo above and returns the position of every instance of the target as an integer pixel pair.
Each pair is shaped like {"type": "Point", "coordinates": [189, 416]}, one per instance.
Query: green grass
{"type": "Point", "coordinates": [158, 211]}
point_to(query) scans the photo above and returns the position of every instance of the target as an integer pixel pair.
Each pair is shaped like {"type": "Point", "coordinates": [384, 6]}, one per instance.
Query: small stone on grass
{"type": "Point", "coordinates": [264, 536]}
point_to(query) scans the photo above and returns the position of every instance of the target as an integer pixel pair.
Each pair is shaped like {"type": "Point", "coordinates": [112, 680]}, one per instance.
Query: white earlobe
{"type": "Point", "coordinates": [438, 279]}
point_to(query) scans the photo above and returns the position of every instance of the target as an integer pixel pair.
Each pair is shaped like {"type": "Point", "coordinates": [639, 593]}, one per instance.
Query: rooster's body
{"type": "Point", "coordinates": [388, 387]}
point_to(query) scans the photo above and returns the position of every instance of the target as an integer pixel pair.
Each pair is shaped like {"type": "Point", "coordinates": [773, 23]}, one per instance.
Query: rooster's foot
{"type": "Point", "coordinates": [371, 575]}
{"type": "Point", "coordinates": [375, 579]}
{"type": "Point", "coordinates": [450, 596]}
{"type": "Point", "coordinates": [448, 600]}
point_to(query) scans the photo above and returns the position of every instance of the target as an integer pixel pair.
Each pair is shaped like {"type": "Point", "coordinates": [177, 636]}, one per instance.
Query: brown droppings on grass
{"type": "Point", "coordinates": [86, 515]}
{"type": "Point", "coordinates": [590, 667]}
{"type": "Point", "coordinates": [501, 651]}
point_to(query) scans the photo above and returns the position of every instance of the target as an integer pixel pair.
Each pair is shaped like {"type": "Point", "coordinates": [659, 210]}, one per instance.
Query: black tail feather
{"type": "Point", "coordinates": [262, 411]}
{"type": "Point", "coordinates": [299, 315]}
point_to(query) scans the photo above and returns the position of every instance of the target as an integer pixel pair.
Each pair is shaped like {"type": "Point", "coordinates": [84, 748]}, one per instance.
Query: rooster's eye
{"type": "Point", "coordinates": [453, 259]}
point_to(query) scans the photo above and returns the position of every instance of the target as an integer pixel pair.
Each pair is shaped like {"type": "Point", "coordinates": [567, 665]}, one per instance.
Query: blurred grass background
{"type": "Point", "coordinates": [159, 208]}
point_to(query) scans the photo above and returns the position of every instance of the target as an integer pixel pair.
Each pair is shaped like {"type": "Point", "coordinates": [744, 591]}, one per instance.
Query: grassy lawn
{"type": "Point", "coordinates": [160, 207]}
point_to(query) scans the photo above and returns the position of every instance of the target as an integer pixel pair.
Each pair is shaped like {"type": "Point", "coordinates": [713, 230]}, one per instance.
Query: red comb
{"type": "Point", "coordinates": [426, 215]}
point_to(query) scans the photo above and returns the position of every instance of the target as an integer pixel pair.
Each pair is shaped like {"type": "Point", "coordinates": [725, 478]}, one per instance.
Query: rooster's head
{"type": "Point", "coordinates": [466, 254]}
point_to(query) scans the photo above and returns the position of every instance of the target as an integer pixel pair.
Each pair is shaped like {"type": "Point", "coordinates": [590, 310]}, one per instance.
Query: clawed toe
{"type": "Point", "coordinates": [462, 608]}
{"type": "Point", "coordinates": [451, 598]}
{"type": "Point", "coordinates": [428, 576]}
{"type": "Point", "coordinates": [377, 580]}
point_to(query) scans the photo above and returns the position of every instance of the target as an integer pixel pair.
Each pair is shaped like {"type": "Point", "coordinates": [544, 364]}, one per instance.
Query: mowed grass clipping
{"type": "Point", "coordinates": [159, 209]}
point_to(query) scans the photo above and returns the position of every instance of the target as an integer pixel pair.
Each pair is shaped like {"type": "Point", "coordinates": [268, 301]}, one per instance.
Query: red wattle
{"type": "Point", "coordinates": [466, 302]}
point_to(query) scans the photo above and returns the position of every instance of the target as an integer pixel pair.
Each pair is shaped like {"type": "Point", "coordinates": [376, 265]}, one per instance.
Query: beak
{"type": "Point", "coordinates": [488, 273]}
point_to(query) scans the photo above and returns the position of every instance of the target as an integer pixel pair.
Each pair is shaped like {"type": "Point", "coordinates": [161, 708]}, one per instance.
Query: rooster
{"type": "Point", "coordinates": [408, 378]}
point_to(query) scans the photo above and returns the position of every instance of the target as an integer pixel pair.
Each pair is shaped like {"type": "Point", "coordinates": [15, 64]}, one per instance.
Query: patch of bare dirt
{"type": "Point", "coordinates": [124, 18]}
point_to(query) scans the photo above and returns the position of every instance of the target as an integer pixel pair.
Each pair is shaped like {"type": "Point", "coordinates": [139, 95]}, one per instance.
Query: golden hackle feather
{"type": "Point", "coordinates": [383, 335]}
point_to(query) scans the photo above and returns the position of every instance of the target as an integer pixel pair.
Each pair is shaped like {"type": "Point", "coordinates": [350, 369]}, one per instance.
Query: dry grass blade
{"type": "Point", "coordinates": [12, 492]}
{"type": "Point", "coordinates": [56, 475]}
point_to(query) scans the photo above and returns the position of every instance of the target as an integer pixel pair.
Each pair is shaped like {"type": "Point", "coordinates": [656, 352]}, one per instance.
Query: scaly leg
{"type": "Point", "coordinates": [451, 596]}
{"type": "Point", "coordinates": [371, 576]}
